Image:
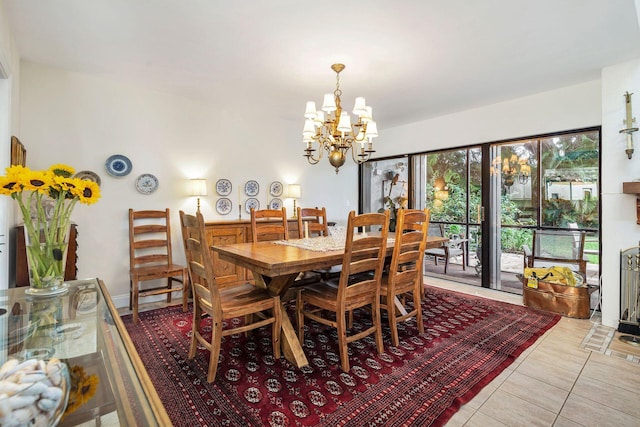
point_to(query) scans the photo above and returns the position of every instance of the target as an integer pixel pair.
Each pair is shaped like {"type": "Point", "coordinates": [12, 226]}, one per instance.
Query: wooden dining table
{"type": "Point", "coordinates": [276, 266]}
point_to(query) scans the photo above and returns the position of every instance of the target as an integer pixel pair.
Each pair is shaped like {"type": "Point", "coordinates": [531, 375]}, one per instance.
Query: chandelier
{"type": "Point", "coordinates": [332, 130]}
{"type": "Point", "coordinates": [512, 168]}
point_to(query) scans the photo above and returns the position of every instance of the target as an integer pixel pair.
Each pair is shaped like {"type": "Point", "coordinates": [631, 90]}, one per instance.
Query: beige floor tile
{"type": "Point", "coordinates": [564, 422]}
{"type": "Point", "coordinates": [589, 413]}
{"type": "Point", "coordinates": [610, 370]}
{"type": "Point", "coordinates": [607, 394]}
{"type": "Point", "coordinates": [461, 417]}
{"type": "Point", "coordinates": [488, 390]}
{"type": "Point", "coordinates": [514, 411]}
{"type": "Point", "coordinates": [548, 373]}
{"type": "Point", "coordinates": [481, 420]}
{"type": "Point", "coordinates": [535, 391]}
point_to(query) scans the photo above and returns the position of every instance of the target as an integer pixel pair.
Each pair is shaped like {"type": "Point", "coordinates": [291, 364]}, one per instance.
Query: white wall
{"type": "Point", "coordinates": [619, 228]}
{"type": "Point", "coordinates": [81, 120]}
{"type": "Point", "coordinates": [9, 97]}
{"type": "Point", "coordinates": [567, 108]}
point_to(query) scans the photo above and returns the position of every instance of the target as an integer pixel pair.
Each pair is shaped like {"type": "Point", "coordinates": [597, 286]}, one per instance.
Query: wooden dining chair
{"type": "Point", "coordinates": [244, 300]}
{"type": "Point", "coordinates": [151, 258]}
{"type": "Point", "coordinates": [404, 280]}
{"type": "Point", "coordinates": [316, 220]}
{"type": "Point", "coordinates": [354, 289]}
{"type": "Point", "coordinates": [269, 224]}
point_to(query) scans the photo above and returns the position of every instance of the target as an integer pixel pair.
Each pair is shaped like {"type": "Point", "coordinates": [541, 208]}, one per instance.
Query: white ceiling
{"type": "Point", "coordinates": [411, 59]}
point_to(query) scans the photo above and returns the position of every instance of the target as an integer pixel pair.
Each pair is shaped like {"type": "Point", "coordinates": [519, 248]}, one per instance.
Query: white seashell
{"type": "Point", "coordinates": [35, 389]}
{"type": "Point", "coordinates": [24, 415]}
{"type": "Point", "coordinates": [53, 393]}
{"type": "Point", "coordinates": [33, 377]}
{"type": "Point", "coordinates": [8, 366]}
{"type": "Point", "coordinates": [46, 404]}
{"type": "Point", "coordinates": [21, 401]}
{"type": "Point", "coordinates": [10, 388]}
{"type": "Point", "coordinates": [5, 408]}
{"type": "Point", "coordinates": [41, 420]}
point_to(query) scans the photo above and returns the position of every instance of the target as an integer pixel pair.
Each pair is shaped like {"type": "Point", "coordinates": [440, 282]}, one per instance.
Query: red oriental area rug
{"type": "Point", "coordinates": [468, 341]}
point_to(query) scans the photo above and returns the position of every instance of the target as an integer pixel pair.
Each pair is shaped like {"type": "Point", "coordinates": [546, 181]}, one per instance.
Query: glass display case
{"type": "Point", "coordinates": [108, 383]}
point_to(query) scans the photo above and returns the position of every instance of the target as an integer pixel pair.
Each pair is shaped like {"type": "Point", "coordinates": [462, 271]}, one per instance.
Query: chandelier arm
{"type": "Point", "coordinates": [363, 156]}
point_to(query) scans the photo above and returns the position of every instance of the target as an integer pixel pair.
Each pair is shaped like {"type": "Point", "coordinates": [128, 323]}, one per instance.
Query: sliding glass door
{"type": "Point", "coordinates": [489, 198]}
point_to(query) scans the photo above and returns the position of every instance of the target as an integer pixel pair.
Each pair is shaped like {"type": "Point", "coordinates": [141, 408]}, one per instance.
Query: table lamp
{"type": "Point", "coordinates": [198, 189]}
{"type": "Point", "coordinates": [294, 193]}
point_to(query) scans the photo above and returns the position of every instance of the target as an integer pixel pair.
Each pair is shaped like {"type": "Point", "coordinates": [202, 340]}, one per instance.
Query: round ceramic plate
{"type": "Point", "coordinates": [275, 189]}
{"type": "Point", "coordinates": [118, 165]}
{"type": "Point", "coordinates": [251, 188]}
{"type": "Point", "coordinates": [275, 204]}
{"type": "Point", "coordinates": [89, 176]}
{"type": "Point", "coordinates": [223, 187]}
{"type": "Point", "coordinates": [224, 206]}
{"type": "Point", "coordinates": [251, 203]}
{"type": "Point", "coordinates": [146, 183]}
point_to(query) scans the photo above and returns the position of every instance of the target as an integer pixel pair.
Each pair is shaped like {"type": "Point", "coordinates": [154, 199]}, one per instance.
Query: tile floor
{"type": "Point", "coordinates": [578, 374]}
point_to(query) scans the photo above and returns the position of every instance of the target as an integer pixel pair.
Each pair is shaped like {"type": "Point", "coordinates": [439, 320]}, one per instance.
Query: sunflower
{"type": "Point", "coordinates": [87, 191]}
{"type": "Point", "coordinates": [83, 387]}
{"type": "Point", "coordinates": [62, 170]}
{"type": "Point", "coordinates": [39, 181]}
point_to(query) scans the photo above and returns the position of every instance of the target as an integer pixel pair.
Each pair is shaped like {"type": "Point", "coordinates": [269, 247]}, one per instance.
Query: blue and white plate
{"type": "Point", "coordinates": [275, 189]}
{"type": "Point", "coordinates": [224, 206]}
{"type": "Point", "coordinates": [146, 183]}
{"type": "Point", "coordinates": [251, 188]}
{"type": "Point", "coordinates": [275, 204]}
{"type": "Point", "coordinates": [251, 203]}
{"type": "Point", "coordinates": [223, 187]}
{"type": "Point", "coordinates": [118, 165]}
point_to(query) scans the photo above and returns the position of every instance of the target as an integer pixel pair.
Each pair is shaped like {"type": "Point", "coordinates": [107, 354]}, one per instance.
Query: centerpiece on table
{"type": "Point", "coordinates": [46, 199]}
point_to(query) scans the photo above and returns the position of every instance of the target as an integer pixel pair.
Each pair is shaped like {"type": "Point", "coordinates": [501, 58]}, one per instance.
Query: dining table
{"type": "Point", "coordinates": [276, 264]}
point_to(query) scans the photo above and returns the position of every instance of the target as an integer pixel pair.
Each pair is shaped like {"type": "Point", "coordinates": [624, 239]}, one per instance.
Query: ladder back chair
{"type": "Point", "coordinates": [316, 220]}
{"type": "Point", "coordinates": [355, 289]}
{"type": "Point", "coordinates": [243, 300]}
{"type": "Point", "coordinates": [404, 279]}
{"type": "Point", "coordinates": [269, 224]}
{"type": "Point", "coordinates": [151, 258]}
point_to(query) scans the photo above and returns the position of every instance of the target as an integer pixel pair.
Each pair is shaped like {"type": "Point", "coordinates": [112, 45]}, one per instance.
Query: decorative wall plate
{"type": "Point", "coordinates": [223, 187]}
{"type": "Point", "coordinates": [89, 176]}
{"type": "Point", "coordinates": [146, 183]}
{"type": "Point", "coordinates": [223, 206]}
{"type": "Point", "coordinates": [251, 203]}
{"type": "Point", "coordinates": [251, 188]}
{"type": "Point", "coordinates": [275, 204]}
{"type": "Point", "coordinates": [275, 189]}
{"type": "Point", "coordinates": [118, 165]}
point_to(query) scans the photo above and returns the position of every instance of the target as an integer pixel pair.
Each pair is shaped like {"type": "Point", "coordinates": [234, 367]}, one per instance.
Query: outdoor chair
{"type": "Point", "coordinates": [563, 248]}
{"type": "Point", "coordinates": [456, 246]}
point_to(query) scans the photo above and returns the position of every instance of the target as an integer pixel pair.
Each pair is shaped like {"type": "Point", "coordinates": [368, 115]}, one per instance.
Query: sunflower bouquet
{"type": "Point", "coordinates": [46, 199]}
{"type": "Point", "coordinates": [83, 388]}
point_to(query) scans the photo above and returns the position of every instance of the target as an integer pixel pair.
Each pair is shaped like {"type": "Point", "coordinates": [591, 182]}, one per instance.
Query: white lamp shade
{"type": "Point", "coordinates": [372, 129]}
{"type": "Point", "coordinates": [310, 111]}
{"type": "Point", "coordinates": [319, 118]}
{"type": "Point", "coordinates": [345, 122]}
{"type": "Point", "coordinates": [329, 103]}
{"type": "Point", "coordinates": [367, 116]}
{"type": "Point", "coordinates": [198, 187]}
{"type": "Point", "coordinates": [309, 129]}
{"type": "Point", "coordinates": [360, 107]}
{"type": "Point", "coordinates": [294, 191]}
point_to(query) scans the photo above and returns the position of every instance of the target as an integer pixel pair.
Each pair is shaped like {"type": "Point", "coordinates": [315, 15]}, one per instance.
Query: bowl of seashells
{"type": "Point", "coordinates": [33, 392]}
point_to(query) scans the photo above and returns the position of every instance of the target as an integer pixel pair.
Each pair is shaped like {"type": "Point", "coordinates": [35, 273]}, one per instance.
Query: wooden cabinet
{"type": "Point", "coordinates": [22, 270]}
{"type": "Point", "coordinates": [228, 232]}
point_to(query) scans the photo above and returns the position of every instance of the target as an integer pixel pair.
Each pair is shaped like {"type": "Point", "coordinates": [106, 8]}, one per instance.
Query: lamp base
{"type": "Point", "coordinates": [295, 210]}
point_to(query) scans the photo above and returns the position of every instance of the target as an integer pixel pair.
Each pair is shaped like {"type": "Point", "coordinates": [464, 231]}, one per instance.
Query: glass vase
{"type": "Point", "coordinates": [47, 259]}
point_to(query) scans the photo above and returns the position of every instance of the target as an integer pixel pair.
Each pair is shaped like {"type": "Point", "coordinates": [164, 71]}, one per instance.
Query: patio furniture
{"type": "Point", "coordinates": [456, 246]}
